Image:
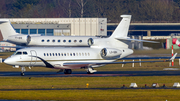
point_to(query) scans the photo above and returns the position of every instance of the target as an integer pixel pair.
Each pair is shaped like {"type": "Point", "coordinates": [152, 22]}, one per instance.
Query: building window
{"type": "Point", "coordinates": [17, 30]}
{"type": "Point", "coordinates": [24, 31]}
{"type": "Point", "coordinates": [33, 31]}
{"type": "Point", "coordinates": [49, 32]}
{"type": "Point", "coordinates": [66, 32]}
{"type": "Point", "coordinates": [41, 31]}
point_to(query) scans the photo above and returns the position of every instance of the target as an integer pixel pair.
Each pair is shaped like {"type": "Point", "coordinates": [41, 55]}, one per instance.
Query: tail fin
{"type": "Point", "coordinates": [6, 29]}
{"type": "Point", "coordinates": [121, 30]}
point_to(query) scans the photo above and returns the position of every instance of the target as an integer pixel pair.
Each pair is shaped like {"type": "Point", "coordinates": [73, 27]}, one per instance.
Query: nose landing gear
{"type": "Point", "coordinates": [23, 69]}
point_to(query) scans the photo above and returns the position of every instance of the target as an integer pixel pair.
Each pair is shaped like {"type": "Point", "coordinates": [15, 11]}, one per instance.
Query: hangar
{"type": "Point", "coordinates": [61, 26]}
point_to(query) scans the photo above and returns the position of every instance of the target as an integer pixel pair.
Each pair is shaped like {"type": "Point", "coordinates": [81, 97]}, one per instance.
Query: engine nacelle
{"type": "Point", "coordinates": [90, 41]}
{"type": "Point", "coordinates": [110, 52]}
{"type": "Point", "coordinates": [19, 39]}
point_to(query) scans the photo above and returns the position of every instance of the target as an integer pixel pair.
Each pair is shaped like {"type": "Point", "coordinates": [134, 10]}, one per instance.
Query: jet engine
{"type": "Point", "coordinates": [90, 41]}
{"type": "Point", "coordinates": [110, 52]}
{"type": "Point", "coordinates": [20, 39]}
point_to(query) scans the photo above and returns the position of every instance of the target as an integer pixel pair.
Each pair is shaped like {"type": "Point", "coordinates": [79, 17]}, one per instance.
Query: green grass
{"type": "Point", "coordinates": [88, 94]}
{"type": "Point", "coordinates": [94, 95]}
{"type": "Point", "coordinates": [80, 82]}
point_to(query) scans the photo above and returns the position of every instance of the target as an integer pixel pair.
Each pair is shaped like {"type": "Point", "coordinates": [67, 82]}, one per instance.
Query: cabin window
{"type": "Point", "coordinates": [50, 54]}
{"type": "Point", "coordinates": [53, 54]}
{"type": "Point", "coordinates": [56, 54]}
{"type": "Point", "coordinates": [69, 41]}
{"type": "Point", "coordinates": [79, 54]}
{"type": "Point", "coordinates": [53, 40]}
{"type": "Point", "coordinates": [25, 53]}
{"type": "Point", "coordinates": [75, 41]}
{"type": "Point", "coordinates": [74, 54]}
{"type": "Point", "coordinates": [47, 40]}
{"type": "Point", "coordinates": [64, 40]}
{"type": "Point", "coordinates": [47, 54]}
{"type": "Point", "coordinates": [44, 54]}
{"type": "Point", "coordinates": [42, 40]}
{"type": "Point", "coordinates": [59, 40]}
{"type": "Point", "coordinates": [82, 54]}
{"type": "Point", "coordinates": [59, 54]}
{"type": "Point", "coordinates": [80, 41]}
{"type": "Point", "coordinates": [18, 53]}
{"type": "Point", "coordinates": [64, 54]}
{"type": "Point", "coordinates": [85, 54]}
{"type": "Point", "coordinates": [67, 54]}
{"type": "Point", "coordinates": [70, 54]}
{"type": "Point", "coordinates": [88, 54]}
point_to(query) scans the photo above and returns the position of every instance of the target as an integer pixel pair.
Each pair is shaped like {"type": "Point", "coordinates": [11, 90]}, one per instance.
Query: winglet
{"type": "Point", "coordinates": [173, 57]}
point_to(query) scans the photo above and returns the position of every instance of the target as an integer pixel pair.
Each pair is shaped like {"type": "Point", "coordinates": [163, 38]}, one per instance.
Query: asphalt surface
{"type": "Point", "coordinates": [97, 74]}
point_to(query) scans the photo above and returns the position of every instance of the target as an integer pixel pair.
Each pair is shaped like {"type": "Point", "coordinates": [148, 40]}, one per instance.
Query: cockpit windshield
{"type": "Point", "coordinates": [18, 53]}
{"type": "Point", "coordinates": [21, 53]}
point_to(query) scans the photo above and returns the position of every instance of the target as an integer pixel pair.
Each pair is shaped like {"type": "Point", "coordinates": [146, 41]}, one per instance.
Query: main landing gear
{"type": "Point", "coordinates": [67, 71]}
{"type": "Point", "coordinates": [90, 70]}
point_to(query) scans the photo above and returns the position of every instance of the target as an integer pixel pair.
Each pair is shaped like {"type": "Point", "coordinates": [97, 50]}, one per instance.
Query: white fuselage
{"type": "Point", "coordinates": [58, 57]}
{"type": "Point", "coordinates": [49, 41]}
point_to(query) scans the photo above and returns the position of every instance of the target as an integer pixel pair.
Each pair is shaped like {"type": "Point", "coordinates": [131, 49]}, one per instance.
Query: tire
{"type": "Point", "coordinates": [67, 71]}
{"type": "Point", "coordinates": [22, 74]}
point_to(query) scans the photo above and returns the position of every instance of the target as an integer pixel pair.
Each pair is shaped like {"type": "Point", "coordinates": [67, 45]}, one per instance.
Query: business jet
{"type": "Point", "coordinates": [101, 52]}
{"type": "Point", "coordinates": [8, 34]}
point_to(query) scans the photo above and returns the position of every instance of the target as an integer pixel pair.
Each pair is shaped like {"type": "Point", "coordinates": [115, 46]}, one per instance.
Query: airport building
{"type": "Point", "coordinates": [61, 26]}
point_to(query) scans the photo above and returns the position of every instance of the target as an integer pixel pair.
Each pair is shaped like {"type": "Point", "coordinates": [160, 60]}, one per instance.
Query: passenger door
{"type": "Point", "coordinates": [33, 58]}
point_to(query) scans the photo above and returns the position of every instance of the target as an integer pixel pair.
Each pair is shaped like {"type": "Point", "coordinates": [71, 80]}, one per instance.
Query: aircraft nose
{"type": "Point", "coordinates": [7, 61]}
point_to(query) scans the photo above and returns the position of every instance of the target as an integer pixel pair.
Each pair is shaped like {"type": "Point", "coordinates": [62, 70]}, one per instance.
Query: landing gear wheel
{"type": "Point", "coordinates": [89, 72]}
{"type": "Point", "coordinates": [22, 74]}
{"type": "Point", "coordinates": [67, 71]}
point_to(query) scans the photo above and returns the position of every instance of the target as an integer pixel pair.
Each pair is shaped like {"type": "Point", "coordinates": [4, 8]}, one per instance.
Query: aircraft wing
{"type": "Point", "coordinates": [129, 39]}
{"type": "Point", "coordinates": [13, 46]}
{"type": "Point", "coordinates": [135, 58]}
{"type": "Point", "coordinates": [100, 63]}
